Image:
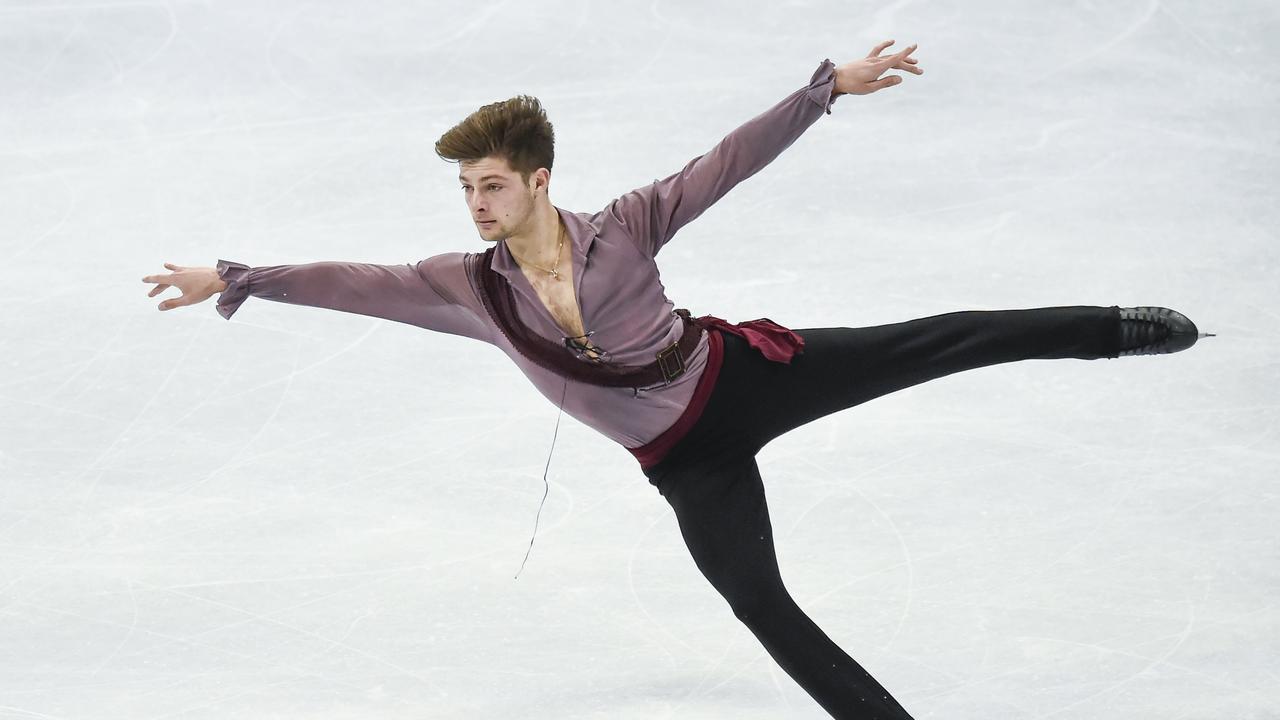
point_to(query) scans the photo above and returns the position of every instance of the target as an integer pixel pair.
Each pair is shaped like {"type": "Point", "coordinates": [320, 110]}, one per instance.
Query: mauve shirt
{"type": "Point", "coordinates": [615, 278]}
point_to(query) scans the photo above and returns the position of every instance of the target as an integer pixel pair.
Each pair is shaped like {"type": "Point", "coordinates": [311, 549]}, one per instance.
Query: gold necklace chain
{"type": "Point", "coordinates": [554, 272]}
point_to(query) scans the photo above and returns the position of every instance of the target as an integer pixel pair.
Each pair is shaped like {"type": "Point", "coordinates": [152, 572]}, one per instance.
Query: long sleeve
{"type": "Point", "coordinates": [432, 294]}
{"type": "Point", "coordinates": [652, 214]}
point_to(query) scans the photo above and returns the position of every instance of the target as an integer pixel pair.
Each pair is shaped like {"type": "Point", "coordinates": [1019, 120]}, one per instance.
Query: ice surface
{"type": "Point", "coordinates": [307, 514]}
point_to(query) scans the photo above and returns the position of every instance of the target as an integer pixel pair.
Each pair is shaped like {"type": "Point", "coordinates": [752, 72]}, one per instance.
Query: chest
{"type": "Point", "coordinates": [558, 298]}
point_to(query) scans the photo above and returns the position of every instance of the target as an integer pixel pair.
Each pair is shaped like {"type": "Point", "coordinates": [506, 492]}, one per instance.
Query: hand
{"type": "Point", "coordinates": [197, 285]}
{"type": "Point", "coordinates": [862, 77]}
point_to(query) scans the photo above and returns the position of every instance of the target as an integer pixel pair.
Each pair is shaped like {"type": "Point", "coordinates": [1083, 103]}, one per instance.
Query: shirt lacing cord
{"type": "Point", "coordinates": [581, 350]}
{"type": "Point", "coordinates": [602, 355]}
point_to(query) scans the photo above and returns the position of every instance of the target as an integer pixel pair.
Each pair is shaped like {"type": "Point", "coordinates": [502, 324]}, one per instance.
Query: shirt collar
{"type": "Point", "coordinates": [581, 235]}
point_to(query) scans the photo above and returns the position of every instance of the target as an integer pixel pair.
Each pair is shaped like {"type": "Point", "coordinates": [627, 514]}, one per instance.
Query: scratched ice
{"type": "Point", "coordinates": [307, 514]}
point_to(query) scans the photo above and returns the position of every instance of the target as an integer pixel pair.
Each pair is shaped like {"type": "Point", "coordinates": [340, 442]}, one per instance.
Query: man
{"type": "Point", "coordinates": [575, 300]}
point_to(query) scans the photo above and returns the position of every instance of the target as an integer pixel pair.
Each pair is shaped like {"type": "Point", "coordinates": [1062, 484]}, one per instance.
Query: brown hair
{"type": "Point", "coordinates": [516, 130]}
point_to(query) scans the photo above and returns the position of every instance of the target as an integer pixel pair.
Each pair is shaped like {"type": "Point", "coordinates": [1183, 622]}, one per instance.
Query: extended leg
{"type": "Point", "coordinates": [723, 517]}
{"type": "Point", "coordinates": [842, 367]}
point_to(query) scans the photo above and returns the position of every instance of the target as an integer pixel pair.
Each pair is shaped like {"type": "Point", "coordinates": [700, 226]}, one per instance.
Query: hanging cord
{"type": "Point", "coordinates": [546, 486]}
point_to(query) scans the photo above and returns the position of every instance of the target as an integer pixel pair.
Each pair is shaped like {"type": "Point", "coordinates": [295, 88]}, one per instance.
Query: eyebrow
{"type": "Point", "coordinates": [486, 177]}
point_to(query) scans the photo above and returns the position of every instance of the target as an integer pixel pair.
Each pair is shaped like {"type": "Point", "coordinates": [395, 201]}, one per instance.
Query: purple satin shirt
{"type": "Point", "coordinates": [615, 278]}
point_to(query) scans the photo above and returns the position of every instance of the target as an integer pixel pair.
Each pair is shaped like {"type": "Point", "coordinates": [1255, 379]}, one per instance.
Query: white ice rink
{"type": "Point", "coordinates": [308, 514]}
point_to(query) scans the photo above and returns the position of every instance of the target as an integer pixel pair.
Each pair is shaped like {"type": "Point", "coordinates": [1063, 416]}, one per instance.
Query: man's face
{"type": "Point", "coordinates": [500, 203]}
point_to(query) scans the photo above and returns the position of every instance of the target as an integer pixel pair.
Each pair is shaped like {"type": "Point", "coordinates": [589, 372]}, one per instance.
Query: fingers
{"type": "Point", "coordinates": [900, 61]}
{"type": "Point", "coordinates": [877, 49]}
{"type": "Point", "coordinates": [171, 266]}
{"type": "Point", "coordinates": [900, 56]}
{"type": "Point", "coordinates": [875, 52]}
{"type": "Point", "coordinates": [174, 303]}
{"type": "Point", "coordinates": [165, 277]}
{"type": "Point", "coordinates": [164, 282]}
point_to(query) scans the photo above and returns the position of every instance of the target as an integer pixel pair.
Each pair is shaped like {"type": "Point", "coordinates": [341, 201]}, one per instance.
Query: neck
{"type": "Point", "coordinates": [540, 244]}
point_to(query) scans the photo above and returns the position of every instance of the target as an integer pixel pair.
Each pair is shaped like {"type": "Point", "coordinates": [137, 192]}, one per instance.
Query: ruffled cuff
{"type": "Point", "coordinates": [822, 86]}
{"type": "Point", "coordinates": [236, 276]}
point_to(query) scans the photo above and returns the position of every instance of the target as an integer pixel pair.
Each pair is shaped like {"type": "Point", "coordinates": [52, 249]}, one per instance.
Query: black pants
{"type": "Point", "coordinates": [711, 479]}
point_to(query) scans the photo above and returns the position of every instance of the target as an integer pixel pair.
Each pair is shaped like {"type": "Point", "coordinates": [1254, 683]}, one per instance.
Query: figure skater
{"type": "Point", "coordinates": [576, 301]}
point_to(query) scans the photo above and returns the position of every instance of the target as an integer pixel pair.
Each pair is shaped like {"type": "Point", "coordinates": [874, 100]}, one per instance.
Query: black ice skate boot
{"type": "Point", "coordinates": [1156, 331]}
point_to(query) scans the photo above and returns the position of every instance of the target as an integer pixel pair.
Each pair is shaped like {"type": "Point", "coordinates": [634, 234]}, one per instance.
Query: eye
{"type": "Point", "coordinates": [495, 187]}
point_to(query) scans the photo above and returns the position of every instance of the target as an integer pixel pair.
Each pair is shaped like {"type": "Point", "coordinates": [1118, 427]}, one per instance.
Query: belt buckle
{"type": "Point", "coordinates": [671, 369]}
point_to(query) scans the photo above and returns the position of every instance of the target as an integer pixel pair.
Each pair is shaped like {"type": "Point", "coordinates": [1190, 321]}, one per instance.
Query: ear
{"type": "Point", "coordinates": [541, 178]}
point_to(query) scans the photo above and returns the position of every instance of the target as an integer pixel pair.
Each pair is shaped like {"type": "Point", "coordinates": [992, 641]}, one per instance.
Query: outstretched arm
{"type": "Point", "coordinates": [653, 213]}
{"type": "Point", "coordinates": [431, 293]}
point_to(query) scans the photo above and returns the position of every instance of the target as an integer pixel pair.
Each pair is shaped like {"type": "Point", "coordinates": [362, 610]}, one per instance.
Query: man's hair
{"type": "Point", "coordinates": [516, 130]}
